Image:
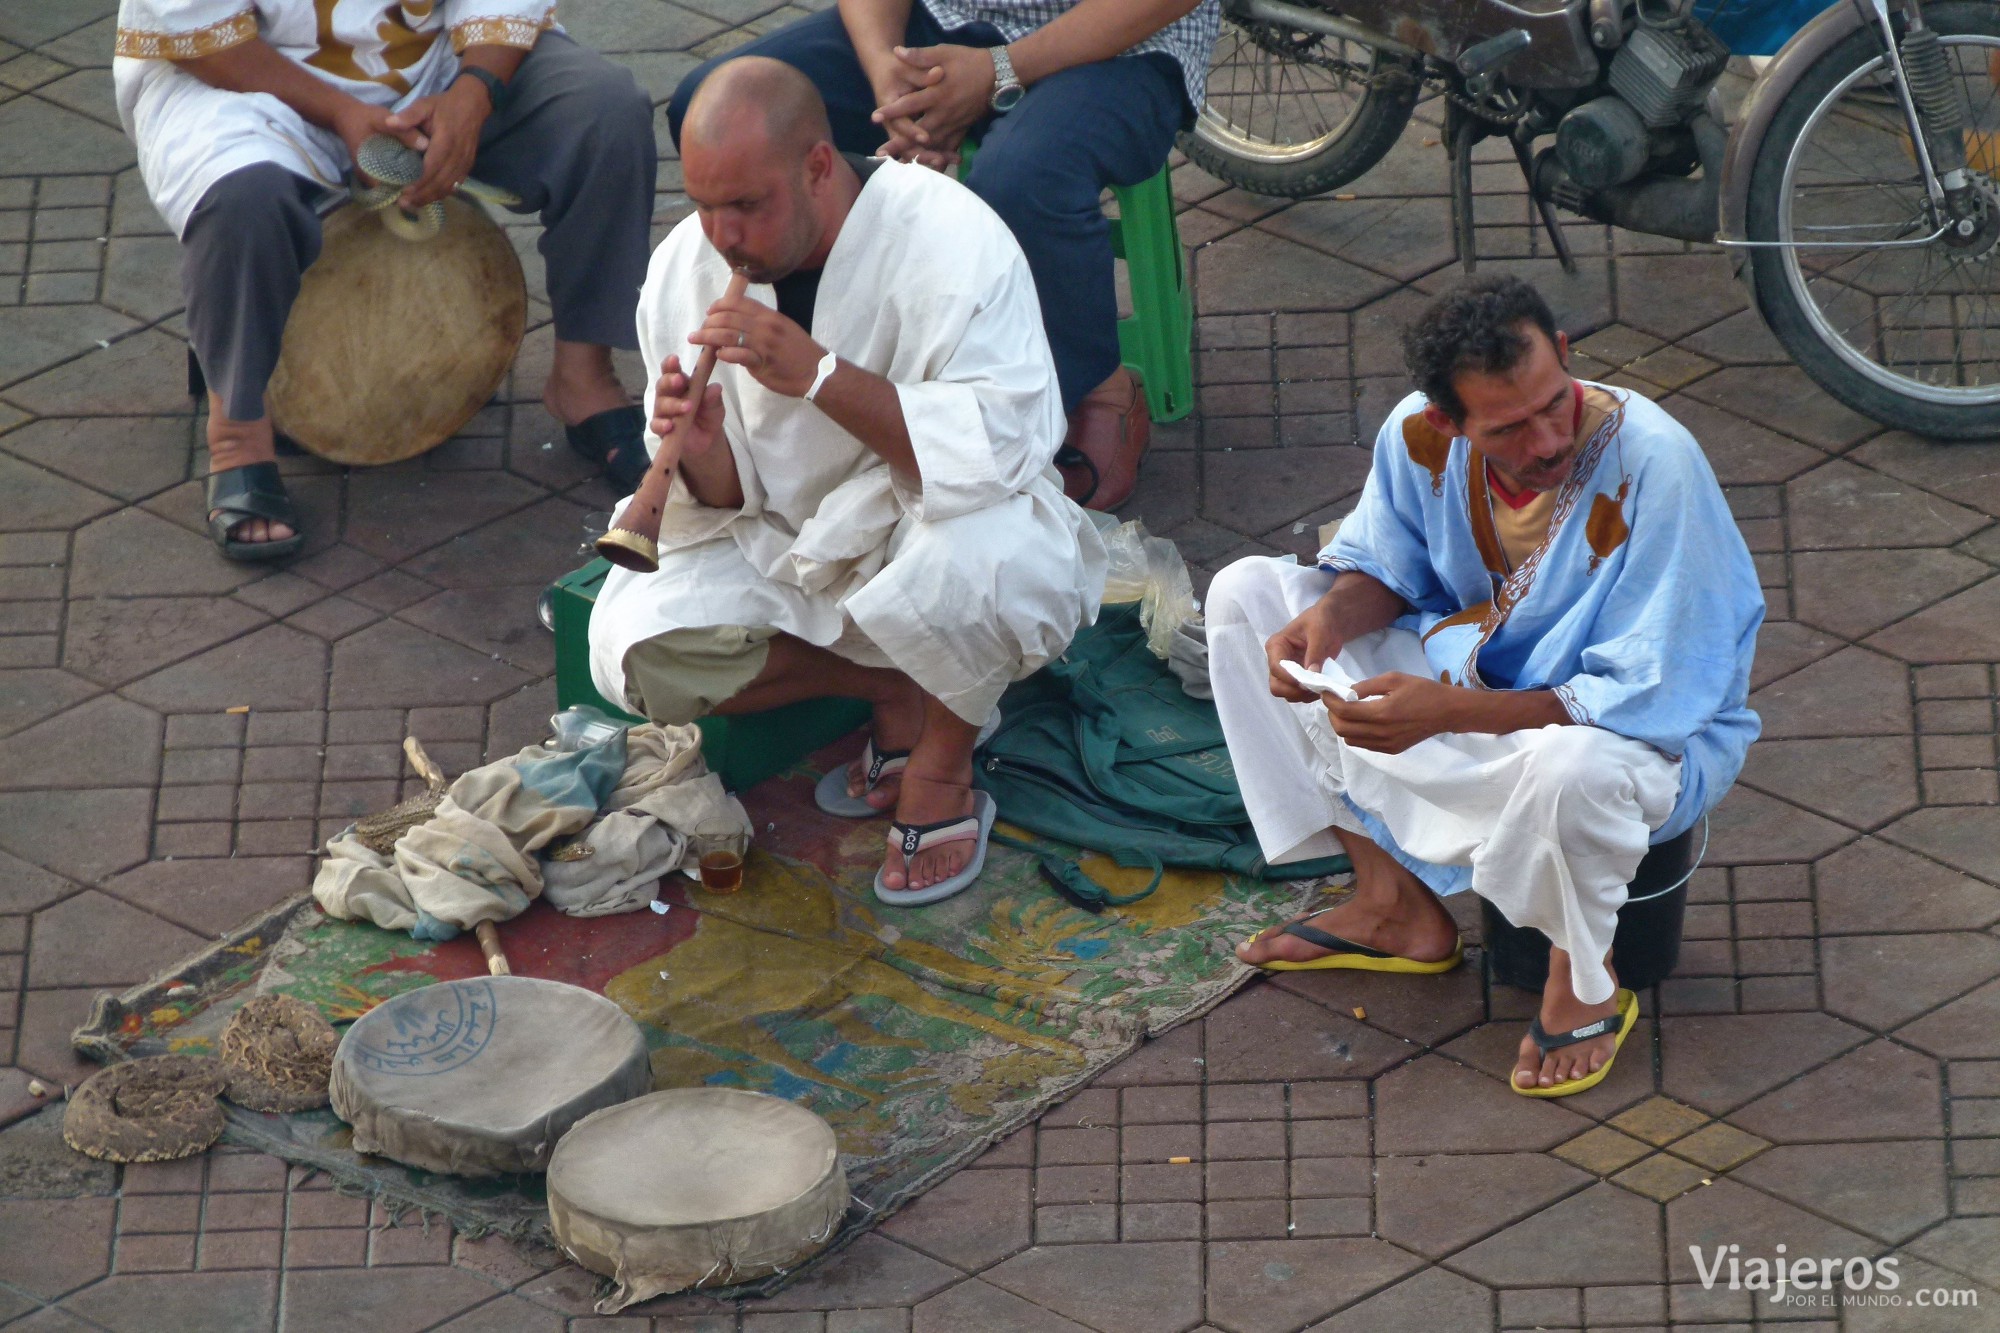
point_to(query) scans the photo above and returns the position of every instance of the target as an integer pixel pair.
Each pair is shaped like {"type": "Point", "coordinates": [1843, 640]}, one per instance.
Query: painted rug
{"type": "Point", "coordinates": [922, 1035]}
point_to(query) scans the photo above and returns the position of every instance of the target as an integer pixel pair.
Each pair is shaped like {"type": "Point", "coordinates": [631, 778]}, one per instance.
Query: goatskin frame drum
{"type": "Point", "coordinates": [393, 344]}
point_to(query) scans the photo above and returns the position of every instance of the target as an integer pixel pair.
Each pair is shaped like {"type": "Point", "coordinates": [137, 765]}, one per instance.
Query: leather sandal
{"type": "Point", "coordinates": [1108, 435]}
{"type": "Point", "coordinates": [615, 440]}
{"type": "Point", "coordinates": [255, 490]}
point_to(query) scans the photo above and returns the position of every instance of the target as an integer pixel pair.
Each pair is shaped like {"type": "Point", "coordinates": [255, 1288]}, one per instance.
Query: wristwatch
{"type": "Point", "coordinates": [496, 91]}
{"type": "Point", "coordinates": [1007, 87]}
{"type": "Point", "coordinates": [821, 374]}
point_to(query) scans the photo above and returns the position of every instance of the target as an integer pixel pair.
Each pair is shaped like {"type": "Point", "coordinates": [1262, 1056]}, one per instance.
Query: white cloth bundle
{"type": "Point", "coordinates": [476, 858]}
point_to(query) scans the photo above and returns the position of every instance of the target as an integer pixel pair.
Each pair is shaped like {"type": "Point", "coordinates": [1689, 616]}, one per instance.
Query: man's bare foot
{"type": "Point", "coordinates": [233, 444]}
{"type": "Point", "coordinates": [1421, 930]}
{"type": "Point", "coordinates": [899, 722]}
{"type": "Point", "coordinates": [1391, 910]}
{"type": "Point", "coordinates": [1563, 1012]}
{"type": "Point", "coordinates": [925, 800]}
{"type": "Point", "coordinates": [936, 786]}
{"type": "Point", "coordinates": [582, 383]}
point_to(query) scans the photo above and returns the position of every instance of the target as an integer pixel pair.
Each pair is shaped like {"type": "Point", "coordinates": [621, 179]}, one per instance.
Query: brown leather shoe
{"type": "Point", "coordinates": [1108, 434]}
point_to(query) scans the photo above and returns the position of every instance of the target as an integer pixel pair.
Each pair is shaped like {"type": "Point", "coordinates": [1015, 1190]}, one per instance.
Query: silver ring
{"type": "Point", "coordinates": [741, 337]}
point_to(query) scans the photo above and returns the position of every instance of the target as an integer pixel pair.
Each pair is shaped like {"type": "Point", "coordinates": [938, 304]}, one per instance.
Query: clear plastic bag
{"type": "Point", "coordinates": [580, 726]}
{"type": "Point", "coordinates": [1148, 570]}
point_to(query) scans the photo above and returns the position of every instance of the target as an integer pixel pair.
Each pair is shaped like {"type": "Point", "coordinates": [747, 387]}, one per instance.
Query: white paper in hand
{"type": "Point", "coordinates": [1329, 680]}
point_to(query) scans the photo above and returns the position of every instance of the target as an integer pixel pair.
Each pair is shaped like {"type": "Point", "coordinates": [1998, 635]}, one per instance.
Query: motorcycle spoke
{"type": "Point", "coordinates": [1279, 95]}
{"type": "Point", "coordinates": [1914, 318]}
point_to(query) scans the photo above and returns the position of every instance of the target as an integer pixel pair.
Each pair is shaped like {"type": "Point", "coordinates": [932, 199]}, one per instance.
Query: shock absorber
{"type": "Point", "coordinates": [1940, 98]}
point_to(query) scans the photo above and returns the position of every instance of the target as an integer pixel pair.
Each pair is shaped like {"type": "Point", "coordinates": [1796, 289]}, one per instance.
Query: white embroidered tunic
{"type": "Point", "coordinates": [190, 135]}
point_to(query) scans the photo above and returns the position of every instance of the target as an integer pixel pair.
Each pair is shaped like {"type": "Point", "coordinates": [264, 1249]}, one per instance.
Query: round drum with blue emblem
{"type": "Point", "coordinates": [481, 1077]}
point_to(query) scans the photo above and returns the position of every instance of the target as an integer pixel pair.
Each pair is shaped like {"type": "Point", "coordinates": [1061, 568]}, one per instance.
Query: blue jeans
{"type": "Point", "coordinates": [1042, 167]}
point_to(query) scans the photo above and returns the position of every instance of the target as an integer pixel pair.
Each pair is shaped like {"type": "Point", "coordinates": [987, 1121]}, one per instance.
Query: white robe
{"type": "Point", "coordinates": [385, 52]}
{"type": "Point", "coordinates": [970, 581]}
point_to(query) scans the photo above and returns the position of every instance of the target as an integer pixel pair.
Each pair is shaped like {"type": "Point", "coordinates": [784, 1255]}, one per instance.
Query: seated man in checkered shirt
{"type": "Point", "coordinates": [1063, 98]}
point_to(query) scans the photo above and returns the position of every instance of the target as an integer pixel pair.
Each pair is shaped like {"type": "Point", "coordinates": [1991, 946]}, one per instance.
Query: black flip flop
{"type": "Point", "coordinates": [1618, 1026]}
{"type": "Point", "coordinates": [616, 441]}
{"type": "Point", "coordinates": [1345, 953]}
{"type": "Point", "coordinates": [238, 494]}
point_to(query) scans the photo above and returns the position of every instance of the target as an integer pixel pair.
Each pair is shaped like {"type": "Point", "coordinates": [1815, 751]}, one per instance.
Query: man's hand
{"type": "Point", "coordinates": [779, 354]}
{"type": "Point", "coordinates": [355, 121]}
{"type": "Point", "coordinates": [956, 92]}
{"type": "Point", "coordinates": [1309, 640]}
{"type": "Point", "coordinates": [1395, 712]}
{"type": "Point", "coordinates": [892, 80]}
{"type": "Point", "coordinates": [942, 155]}
{"type": "Point", "coordinates": [676, 418]}
{"type": "Point", "coordinates": [448, 126]}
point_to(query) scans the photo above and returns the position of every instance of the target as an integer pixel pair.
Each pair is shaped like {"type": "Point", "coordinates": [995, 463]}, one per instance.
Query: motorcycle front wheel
{"type": "Point", "coordinates": [1296, 113]}
{"type": "Point", "coordinates": [1901, 328]}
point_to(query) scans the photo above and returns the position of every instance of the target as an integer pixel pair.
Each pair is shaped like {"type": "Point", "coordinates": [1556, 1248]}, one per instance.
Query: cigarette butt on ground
{"type": "Point", "coordinates": [1346, 198]}
{"type": "Point", "coordinates": [1179, 1161]}
{"type": "Point", "coordinates": [1359, 1012]}
{"type": "Point", "coordinates": [239, 708]}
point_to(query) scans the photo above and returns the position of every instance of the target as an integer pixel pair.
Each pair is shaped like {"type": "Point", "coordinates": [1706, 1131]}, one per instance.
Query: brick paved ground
{"type": "Point", "coordinates": [1824, 1073]}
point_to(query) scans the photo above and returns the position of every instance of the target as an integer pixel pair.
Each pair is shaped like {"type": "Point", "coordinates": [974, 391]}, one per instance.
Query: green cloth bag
{"type": "Point", "coordinates": [1103, 750]}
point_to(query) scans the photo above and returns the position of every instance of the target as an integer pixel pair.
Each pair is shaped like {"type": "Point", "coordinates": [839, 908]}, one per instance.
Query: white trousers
{"type": "Point", "coordinates": [1551, 822]}
{"type": "Point", "coordinates": [965, 606]}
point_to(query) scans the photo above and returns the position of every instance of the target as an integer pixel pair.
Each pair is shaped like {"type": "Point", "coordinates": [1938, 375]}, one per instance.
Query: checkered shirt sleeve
{"type": "Point", "coordinates": [1190, 40]}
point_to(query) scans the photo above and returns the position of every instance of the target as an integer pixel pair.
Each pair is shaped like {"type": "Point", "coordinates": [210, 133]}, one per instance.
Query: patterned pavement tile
{"type": "Point", "coordinates": [1129, 1288]}
{"type": "Point", "coordinates": [1334, 1155]}
{"type": "Point", "coordinates": [1603, 1234]}
{"type": "Point", "coordinates": [1441, 1203]}
{"type": "Point", "coordinates": [1891, 1190]}
{"type": "Point", "coordinates": [1274, 1285]}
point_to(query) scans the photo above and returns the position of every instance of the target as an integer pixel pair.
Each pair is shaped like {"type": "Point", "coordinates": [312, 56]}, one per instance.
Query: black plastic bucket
{"type": "Point", "coordinates": [1648, 942]}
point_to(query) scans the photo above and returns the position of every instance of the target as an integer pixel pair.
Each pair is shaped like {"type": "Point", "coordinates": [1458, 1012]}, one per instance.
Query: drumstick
{"type": "Point", "coordinates": [489, 944]}
{"type": "Point", "coordinates": [635, 542]}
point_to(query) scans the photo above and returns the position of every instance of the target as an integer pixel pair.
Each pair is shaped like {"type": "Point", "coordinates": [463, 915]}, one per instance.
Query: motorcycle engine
{"type": "Point", "coordinates": [1665, 69]}
{"type": "Point", "coordinates": [1658, 80]}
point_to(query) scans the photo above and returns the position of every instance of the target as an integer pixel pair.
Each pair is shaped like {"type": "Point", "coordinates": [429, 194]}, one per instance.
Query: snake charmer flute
{"type": "Point", "coordinates": [634, 542]}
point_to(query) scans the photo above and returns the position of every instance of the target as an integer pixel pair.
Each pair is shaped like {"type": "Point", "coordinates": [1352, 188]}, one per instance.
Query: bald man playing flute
{"type": "Point", "coordinates": [864, 504]}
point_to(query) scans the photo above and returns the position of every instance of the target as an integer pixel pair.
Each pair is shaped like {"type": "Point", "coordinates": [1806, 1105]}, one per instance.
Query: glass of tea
{"type": "Point", "coordinates": [720, 845]}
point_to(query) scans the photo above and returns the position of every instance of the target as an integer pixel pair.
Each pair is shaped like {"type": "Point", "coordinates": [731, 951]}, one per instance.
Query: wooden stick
{"type": "Point", "coordinates": [635, 542]}
{"type": "Point", "coordinates": [489, 944]}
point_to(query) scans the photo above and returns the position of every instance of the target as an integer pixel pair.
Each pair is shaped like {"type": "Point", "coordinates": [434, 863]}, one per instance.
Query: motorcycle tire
{"type": "Point", "coordinates": [1872, 389]}
{"type": "Point", "coordinates": [1300, 170]}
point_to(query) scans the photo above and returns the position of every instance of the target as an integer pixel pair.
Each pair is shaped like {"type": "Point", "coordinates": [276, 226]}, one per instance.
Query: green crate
{"type": "Point", "coordinates": [744, 749]}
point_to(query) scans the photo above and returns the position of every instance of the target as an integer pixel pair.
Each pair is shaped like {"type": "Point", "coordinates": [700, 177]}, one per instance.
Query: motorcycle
{"type": "Point", "coordinates": [1858, 193]}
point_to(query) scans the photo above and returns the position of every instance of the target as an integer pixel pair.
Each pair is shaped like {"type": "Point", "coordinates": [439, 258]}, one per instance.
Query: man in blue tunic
{"type": "Point", "coordinates": [1527, 658]}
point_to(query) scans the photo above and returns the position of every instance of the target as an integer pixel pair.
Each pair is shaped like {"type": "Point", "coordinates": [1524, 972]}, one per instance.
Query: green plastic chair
{"type": "Point", "coordinates": [1155, 341]}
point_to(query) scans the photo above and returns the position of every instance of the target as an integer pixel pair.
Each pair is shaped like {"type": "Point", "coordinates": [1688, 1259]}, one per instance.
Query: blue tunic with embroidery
{"type": "Point", "coordinates": [1640, 609]}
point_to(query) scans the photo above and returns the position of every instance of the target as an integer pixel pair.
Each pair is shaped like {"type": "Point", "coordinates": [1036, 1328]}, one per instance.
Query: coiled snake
{"type": "Point", "coordinates": [150, 1110]}
{"type": "Point", "coordinates": [277, 1055]}
{"type": "Point", "coordinates": [395, 166]}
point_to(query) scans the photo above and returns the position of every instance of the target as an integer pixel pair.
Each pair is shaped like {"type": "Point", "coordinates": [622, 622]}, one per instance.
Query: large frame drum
{"type": "Point", "coordinates": [481, 1077]}
{"type": "Point", "coordinates": [393, 344]}
{"type": "Point", "coordinates": [695, 1187]}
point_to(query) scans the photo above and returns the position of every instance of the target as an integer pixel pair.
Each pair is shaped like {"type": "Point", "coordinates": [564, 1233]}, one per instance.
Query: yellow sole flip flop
{"type": "Point", "coordinates": [1623, 1021]}
{"type": "Point", "coordinates": [1354, 957]}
